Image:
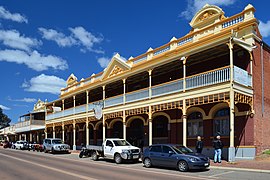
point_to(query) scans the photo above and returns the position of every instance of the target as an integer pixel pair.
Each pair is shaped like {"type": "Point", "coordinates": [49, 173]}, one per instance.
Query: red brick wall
{"type": "Point", "coordinates": [244, 131]}
{"type": "Point", "coordinates": [261, 118]}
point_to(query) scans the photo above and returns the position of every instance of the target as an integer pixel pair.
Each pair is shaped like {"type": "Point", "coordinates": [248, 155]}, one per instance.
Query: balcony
{"type": "Point", "coordinates": [29, 125]}
{"type": "Point", "coordinates": [209, 78]}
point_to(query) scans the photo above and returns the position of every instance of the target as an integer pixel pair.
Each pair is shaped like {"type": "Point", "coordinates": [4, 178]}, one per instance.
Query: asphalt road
{"type": "Point", "coordinates": [17, 164]}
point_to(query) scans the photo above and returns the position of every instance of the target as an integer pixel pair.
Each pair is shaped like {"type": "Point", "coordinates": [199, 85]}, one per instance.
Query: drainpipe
{"type": "Point", "coordinates": [262, 68]}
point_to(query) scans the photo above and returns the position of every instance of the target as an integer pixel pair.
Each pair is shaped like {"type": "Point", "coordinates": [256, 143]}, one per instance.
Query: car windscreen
{"type": "Point", "coordinates": [121, 143]}
{"type": "Point", "coordinates": [182, 149]}
{"type": "Point", "coordinates": [57, 141]}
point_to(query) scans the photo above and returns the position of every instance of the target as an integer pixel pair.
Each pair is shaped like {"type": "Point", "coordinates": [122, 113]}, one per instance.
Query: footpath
{"type": "Point", "coordinates": [260, 164]}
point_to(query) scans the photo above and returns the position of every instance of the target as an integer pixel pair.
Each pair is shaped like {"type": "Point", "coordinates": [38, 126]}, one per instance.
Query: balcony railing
{"type": "Point", "coordinates": [80, 109]}
{"type": "Point", "coordinates": [114, 101]}
{"type": "Point", "coordinates": [137, 95]}
{"type": "Point", "coordinates": [28, 123]}
{"type": "Point", "coordinates": [208, 78]}
{"type": "Point", "coordinates": [168, 88]}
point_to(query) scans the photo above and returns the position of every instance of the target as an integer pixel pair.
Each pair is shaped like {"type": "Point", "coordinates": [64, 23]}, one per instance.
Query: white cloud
{"type": "Point", "coordinates": [28, 100]}
{"type": "Point", "coordinates": [13, 39]}
{"type": "Point", "coordinates": [45, 84]}
{"type": "Point", "coordinates": [20, 105]}
{"type": "Point", "coordinates": [33, 60]}
{"type": "Point", "coordinates": [85, 38]}
{"type": "Point", "coordinates": [5, 14]}
{"type": "Point", "coordinates": [78, 37]}
{"type": "Point", "coordinates": [264, 28]}
{"type": "Point", "coordinates": [195, 5]}
{"type": "Point", "coordinates": [104, 61]}
{"type": "Point", "coordinates": [4, 107]}
{"type": "Point", "coordinates": [61, 39]}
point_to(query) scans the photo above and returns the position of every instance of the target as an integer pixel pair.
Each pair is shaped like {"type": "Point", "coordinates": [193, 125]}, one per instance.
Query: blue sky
{"type": "Point", "coordinates": [43, 42]}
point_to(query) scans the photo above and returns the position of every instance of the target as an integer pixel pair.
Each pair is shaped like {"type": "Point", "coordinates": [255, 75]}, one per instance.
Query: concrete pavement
{"type": "Point", "coordinates": [36, 165]}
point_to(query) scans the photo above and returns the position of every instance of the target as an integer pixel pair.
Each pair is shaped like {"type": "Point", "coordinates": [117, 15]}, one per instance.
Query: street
{"type": "Point", "coordinates": [17, 164]}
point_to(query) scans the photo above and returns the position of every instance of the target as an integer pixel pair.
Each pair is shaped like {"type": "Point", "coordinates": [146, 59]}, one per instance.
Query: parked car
{"type": "Point", "coordinates": [36, 147]}
{"type": "Point", "coordinates": [113, 148]}
{"type": "Point", "coordinates": [21, 145]}
{"type": "Point", "coordinates": [7, 144]}
{"type": "Point", "coordinates": [174, 156]}
{"type": "Point", "coordinates": [55, 145]}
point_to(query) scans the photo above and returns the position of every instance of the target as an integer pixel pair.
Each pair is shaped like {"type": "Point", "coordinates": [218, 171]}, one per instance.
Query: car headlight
{"type": "Point", "coordinates": [193, 159]}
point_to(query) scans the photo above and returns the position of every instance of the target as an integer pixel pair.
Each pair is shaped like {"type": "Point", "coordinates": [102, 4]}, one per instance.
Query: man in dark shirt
{"type": "Point", "coordinates": [199, 145]}
{"type": "Point", "coordinates": [217, 145]}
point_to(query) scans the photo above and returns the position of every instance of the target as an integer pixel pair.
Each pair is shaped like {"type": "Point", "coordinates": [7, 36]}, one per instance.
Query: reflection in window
{"type": "Point", "coordinates": [195, 124]}
{"type": "Point", "coordinates": [222, 122]}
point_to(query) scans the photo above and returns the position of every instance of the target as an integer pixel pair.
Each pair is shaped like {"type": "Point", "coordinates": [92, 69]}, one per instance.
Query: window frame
{"type": "Point", "coordinates": [197, 122]}
{"type": "Point", "coordinates": [223, 122]}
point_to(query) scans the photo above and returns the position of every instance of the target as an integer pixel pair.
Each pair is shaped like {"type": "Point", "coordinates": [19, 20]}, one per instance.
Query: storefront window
{"type": "Point", "coordinates": [195, 124]}
{"type": "Point", "coordinates": [222, 122]}
{"type": "Point", "coordinates": [160, 126]}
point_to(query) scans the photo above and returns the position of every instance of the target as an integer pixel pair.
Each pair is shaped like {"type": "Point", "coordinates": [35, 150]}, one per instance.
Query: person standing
{"type": "Point", "coordinates": [199, 145]}
{"type": "Point", "coordinates": [217, 145]}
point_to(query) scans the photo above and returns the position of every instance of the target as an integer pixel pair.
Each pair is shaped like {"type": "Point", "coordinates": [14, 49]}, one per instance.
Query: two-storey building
{"type": "Point", "coordinates": [31, 126]}
{"type": "Point", "coordinates": [211, 81]}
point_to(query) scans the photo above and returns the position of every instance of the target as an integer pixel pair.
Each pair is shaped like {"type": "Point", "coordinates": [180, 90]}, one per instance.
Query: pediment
{"type": "Point", "coordinates": [116, 66]}
{"type": "Point", "coordinates": [71, 80]}
{"type": "Point", "coordinates": [208, 15]}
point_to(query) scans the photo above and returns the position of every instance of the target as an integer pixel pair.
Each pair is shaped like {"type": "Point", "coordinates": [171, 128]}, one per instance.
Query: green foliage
{"type": "Point", "coordinates": [4, 119]}
{"type": "Point", "coordinates": [267, 152]}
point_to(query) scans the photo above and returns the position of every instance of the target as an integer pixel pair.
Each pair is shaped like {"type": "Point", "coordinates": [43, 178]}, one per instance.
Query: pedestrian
{"type": "Point", "coordinates": [199, 145]}
{"type": "Point", "coordinates": [217, 145]}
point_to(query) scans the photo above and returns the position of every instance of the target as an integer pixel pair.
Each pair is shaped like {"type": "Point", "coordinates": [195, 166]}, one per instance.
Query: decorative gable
{"type": "Point", "coordinates": [116, 70]}
{"type": "Point", "coordinates": [71, 80]}
{"type": "Point", "coordinates": [116, 66]}
{"type": "Point", "coordinates": [208, 15]}
{"type": "Point", "coordinates": [39, 106]}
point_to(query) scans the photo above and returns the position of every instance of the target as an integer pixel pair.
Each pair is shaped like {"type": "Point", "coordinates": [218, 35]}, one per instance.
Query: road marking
{"type": "Point", "coordinates": [123, 167]}
{"type": "Point", "coordinates": [215, 175]}
{"type": "Point", "coordinates": [139, 170]}
{"type": "Point", "coordinates": [47, 167]}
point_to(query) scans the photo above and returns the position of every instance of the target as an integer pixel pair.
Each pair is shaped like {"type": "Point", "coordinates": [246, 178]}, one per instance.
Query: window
{"type": "Point", "coordinates": [109, 143]}
{"type": "Point", "coordinates": [156, 149]}
{"type": "Point", "coordinates": [166, 149]}
{"type": "Point", "coordinates": [195, 124]}
{"type": "Point", "coordinates": [121, 143]}
{"type": "Point", "coordinates": [222, 122]}
{"type": "Point", "coordinates": [160, 126]}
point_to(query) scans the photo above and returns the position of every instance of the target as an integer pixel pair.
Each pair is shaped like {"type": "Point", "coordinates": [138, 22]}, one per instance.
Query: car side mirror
{"type": "Point", "coordinates": [171, 152]}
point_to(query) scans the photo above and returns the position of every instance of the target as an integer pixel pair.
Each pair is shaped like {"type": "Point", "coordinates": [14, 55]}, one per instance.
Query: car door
{"type": "Point", "coordinates": [109, 149]}
{"type": "Point", "coordinates": [168, 157]}
{"type": "Point", "coordinates": [155, 154]}
{"type": "Point", "coordinates": [49, 145]}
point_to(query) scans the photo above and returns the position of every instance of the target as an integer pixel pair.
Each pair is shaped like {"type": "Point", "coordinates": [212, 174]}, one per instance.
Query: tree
{"type": "Point", "coordinates": [4, 119]}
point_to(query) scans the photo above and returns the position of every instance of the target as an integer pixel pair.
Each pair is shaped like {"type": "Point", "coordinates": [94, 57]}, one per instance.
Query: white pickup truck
{"type": "Point", "coordinates": [116, 149]}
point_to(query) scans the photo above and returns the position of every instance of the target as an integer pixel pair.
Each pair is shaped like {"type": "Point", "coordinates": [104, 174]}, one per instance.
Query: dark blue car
{"type": "Point", "coordinates": [174, 156]}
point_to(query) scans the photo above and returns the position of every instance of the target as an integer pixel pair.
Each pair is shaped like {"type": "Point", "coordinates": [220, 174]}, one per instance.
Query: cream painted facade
{"type": "Point", "coordinates": [140, 90]}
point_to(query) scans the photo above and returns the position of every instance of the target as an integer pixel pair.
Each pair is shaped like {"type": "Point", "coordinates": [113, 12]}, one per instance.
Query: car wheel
{"type": "Point", "coordinates": [147, 162]}
{"type": "Point", "coordinates": [118, 159]}
{"type": "Point", "coordinates": [94, 156]}
{"type": "Point", "coordinates": [45, 151]}
{"type": "Point", "coordinates": [20, 148]}
{"type": "Point", "coordinates": [182, 166]}
{"type": "Point", "coordinates": [81, 154]}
